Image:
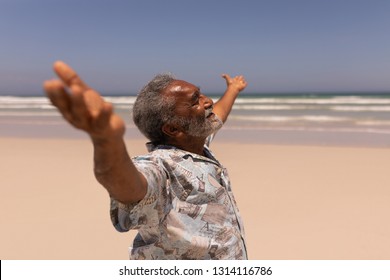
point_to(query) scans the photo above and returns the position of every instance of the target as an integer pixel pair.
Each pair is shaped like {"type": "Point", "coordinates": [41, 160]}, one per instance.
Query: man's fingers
{"type": "Point", "coordinates": [80, 105]}
{"type": "Point", "coordinates": [102, 120]}
{"type": "Point", "coordinates": [79, 109]}
{"type": "Point", "coordinates": [240, 79]}
{"type": "Point", "coordinates": [68, 75]}
{"type": "Point", "coordinates": [89, 109]}
{"type": "Point", "coordinates": [58, 96]}
{"type": "Point", "coordinates": [94, 102]}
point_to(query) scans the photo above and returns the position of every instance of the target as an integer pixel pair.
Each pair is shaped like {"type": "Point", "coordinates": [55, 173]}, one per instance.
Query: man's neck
{"type": "Point", "coordinates": [190, 144]}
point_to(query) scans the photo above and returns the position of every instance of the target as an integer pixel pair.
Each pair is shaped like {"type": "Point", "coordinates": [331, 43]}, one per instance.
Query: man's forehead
{"type": "Point", "coordinates": [180, 86]}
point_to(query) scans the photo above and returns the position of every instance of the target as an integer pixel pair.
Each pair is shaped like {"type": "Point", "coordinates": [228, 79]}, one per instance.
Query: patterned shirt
{"type": "Point", "coordinates": [189, 211]}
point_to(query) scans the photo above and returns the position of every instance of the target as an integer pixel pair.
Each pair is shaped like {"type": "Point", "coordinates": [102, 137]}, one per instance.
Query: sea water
{"type": "Point", "coordinates": [354, 119]}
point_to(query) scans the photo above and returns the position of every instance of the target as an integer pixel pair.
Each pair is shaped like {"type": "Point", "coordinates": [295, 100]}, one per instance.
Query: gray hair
{"type": "Point", "coordinates": [152, 110]}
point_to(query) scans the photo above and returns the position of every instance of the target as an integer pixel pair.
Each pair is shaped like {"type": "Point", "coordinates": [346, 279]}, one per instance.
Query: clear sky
{"type": "Point", "coordinates": [278, 45]}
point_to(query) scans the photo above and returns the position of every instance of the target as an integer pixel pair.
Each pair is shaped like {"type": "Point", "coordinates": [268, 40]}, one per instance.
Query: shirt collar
{"type": "Point", "coordinates": [207, 157]}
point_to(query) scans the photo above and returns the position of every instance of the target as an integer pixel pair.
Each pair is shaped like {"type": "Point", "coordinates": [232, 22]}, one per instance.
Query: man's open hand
{"type": "Point", "coordinates": [236, 83]}
{"type": "Point", "coordinates": [81, 106]}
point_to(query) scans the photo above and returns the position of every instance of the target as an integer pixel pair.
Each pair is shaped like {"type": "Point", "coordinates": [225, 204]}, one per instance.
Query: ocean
{"type": "Point", "coordinates": [354, 119]}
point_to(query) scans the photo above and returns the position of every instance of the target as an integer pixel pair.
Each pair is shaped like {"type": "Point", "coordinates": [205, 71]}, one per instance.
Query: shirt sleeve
{"type": "Point", "coordinates": [150, 210]}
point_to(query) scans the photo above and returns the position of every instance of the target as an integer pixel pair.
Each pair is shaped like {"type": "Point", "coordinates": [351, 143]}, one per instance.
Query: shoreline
{"type": "Point", "coordinates": [230, 133]}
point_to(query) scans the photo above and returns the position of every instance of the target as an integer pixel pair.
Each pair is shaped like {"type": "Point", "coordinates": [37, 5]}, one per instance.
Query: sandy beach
{"type": "Point", "coordinates": [297, 202]}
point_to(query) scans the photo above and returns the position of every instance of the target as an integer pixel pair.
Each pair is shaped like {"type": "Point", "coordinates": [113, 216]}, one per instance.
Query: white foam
{"type": "Point", "coordinates": [307, 118]}
{"type": "Point", "coordinates": [23, 100]}
{"type": "Point", "coordinates": [357, 100]}
{"type": "Point", "coordinates": [29, 114]}
{"type": "Point", "coordinates": [15, 102]}
{"type": "Point", "coordinates": [244, 103]}
{"type": "Point", "coordinates": [373, 123]}
{"type": "Point", "coordinates": [121, 99]}
{"type": "Point", "coordinates": [361, 108]}
{"type": "Point", "coordinates": [310, 129]}
{"type": "Point", "coordinates": [268, 107]}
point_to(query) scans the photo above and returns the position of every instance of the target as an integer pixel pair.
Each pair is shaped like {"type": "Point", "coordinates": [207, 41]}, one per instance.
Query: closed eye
{"type": "Point", "coordinates": [195, 98]}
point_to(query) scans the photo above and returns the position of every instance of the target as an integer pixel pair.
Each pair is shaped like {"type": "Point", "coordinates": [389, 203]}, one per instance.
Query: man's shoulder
{"type": "Point", "coordinates": [160, 154]}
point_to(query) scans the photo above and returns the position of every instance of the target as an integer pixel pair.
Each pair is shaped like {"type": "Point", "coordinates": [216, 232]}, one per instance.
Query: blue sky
{"type": "Point", "coordinates": [278, 45]}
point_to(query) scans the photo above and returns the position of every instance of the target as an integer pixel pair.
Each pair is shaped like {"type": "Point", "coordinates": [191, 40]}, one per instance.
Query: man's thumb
{"type": "Point", "coordinates": [226, 77]}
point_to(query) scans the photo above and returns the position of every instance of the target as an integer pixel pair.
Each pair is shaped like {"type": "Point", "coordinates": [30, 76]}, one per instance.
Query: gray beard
{"type": "Point", "coordinates": [203, 127]}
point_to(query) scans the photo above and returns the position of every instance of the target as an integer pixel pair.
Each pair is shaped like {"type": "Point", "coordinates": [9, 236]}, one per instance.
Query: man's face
{"type": "Point", "coordinates": [193, 110]}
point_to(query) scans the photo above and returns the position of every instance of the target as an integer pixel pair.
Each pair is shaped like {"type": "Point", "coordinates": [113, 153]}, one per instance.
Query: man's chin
{"type": "Point", "coordinates": [212, 125]}
{"type": "Point", "coordinates": [217, 123]}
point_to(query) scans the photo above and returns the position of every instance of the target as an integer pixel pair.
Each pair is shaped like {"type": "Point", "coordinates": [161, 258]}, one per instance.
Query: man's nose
{"type": "Point", "coordinates": [208, 102]}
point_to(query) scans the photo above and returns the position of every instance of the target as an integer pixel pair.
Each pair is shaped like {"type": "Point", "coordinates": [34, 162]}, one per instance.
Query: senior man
{"type": "Point", "coordinates": [178, 196]}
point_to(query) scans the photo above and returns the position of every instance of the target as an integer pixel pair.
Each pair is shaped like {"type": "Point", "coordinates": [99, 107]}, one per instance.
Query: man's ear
{"type": "Point", "coordinates": [172, 131]}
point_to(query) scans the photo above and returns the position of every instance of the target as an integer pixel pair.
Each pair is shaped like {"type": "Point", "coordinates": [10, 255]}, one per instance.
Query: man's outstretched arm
{"type": "Point", "coordinates": [224, 105]}
{"type": "Point", "coordinates": [85, 109]}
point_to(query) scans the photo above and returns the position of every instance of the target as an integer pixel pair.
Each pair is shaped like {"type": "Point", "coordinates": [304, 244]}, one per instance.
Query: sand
{"type": "Point", "coordinates": [297, 202]}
